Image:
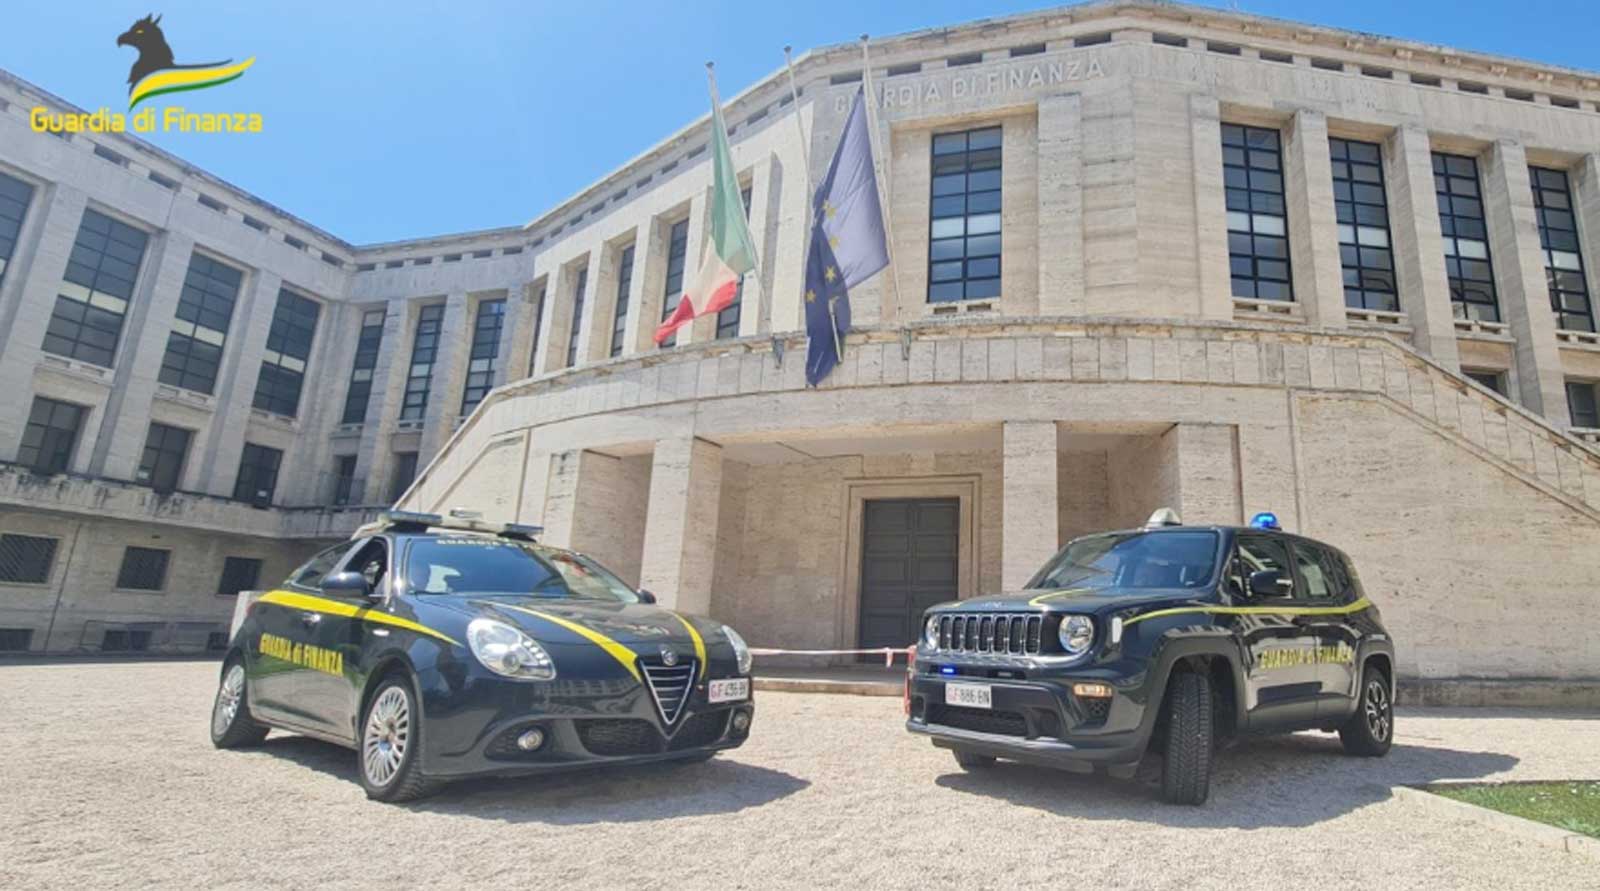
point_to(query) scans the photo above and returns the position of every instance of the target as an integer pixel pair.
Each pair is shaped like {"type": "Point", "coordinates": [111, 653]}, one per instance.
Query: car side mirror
{"type": "Point", "coordinates": [346, 584]}
{"type": "Point", "coordinates": [646, 596]}
{"type": "Point", "coordinates": [1267, 583]}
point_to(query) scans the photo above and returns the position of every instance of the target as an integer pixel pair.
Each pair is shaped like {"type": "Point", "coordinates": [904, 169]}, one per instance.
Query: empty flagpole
{"type": "Point", "coordinates": [811, 218]}
{"type": "Point", "coordinates": [880, 166]}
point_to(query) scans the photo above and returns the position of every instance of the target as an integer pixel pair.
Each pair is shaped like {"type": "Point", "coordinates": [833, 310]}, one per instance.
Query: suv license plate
{"type": "Point", "coordinates": [969, 695]}
{"type": "Point", "coordinates": [729, 690]}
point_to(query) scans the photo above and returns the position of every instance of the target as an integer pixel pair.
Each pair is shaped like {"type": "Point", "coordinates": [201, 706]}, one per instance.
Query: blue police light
{"type": "Point", "coordinates": [1265, 520]}
{"type": "Point", "coordinates": [947, 669]}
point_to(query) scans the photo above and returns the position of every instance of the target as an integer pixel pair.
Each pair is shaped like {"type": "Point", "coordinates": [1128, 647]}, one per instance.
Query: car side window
{"type": "Point", "coordinates": [372, 561]}
{"type": "Point", "coordinates": [310, 573]}
{"type": "Point", "coordinates": [1261, 553]}
{"type": "Point", "coordinates": [1338, 580]}
{"type": "Point", "coordinates": [1314, 583]}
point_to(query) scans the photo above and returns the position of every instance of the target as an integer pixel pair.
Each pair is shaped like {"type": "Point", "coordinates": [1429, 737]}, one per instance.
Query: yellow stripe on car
{"type": "Point", "coordinates": [1347, 609]}
{"type": "Point", "coordinates": [312, 603]}
{"type": "Point", "coordinates": [618, 652]}
{"type": "Point", "coordinates": [699, 643]}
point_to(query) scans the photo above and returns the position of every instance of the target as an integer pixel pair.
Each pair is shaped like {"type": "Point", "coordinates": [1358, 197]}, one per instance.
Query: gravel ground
{"type": "Point", "coordinates": [106, 775]}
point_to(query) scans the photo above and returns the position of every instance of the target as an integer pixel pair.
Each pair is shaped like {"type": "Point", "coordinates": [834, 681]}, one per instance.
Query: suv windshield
{"type": "Point", "coordinates": [473, 565]}
{"type": "Point", "coordinates": [1133, 560]}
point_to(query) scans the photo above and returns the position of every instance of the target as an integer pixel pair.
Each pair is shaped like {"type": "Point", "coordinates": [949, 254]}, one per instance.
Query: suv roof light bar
{"type": "Point", "coordinates": [464, 521]}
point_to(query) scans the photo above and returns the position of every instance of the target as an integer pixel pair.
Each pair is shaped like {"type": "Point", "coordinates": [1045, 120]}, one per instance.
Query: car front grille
{"type": "Point", "coordinates": [669, 686]}
{"type": "Point", "coordinates": [1001, 634]}
{"type": "Point", "coordinates": [978, 720]}
{"type": "Point", "coordinates": [619, 736]}
{"type": "Point", "coordinates": [702, 729]}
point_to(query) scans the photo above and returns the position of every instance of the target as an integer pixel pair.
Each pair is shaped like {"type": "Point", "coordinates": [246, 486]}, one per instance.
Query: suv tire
{"type": "Point", "coordinates": [1190, 742]}
{"type": "Point", "coordinates": [231, 726]}
{"type": "Point", "coordinates": [389, 748]}
{"type": "Point", "coordinates": [972, 760]}
{"type": "Point", "coordinates": [1370, 731]}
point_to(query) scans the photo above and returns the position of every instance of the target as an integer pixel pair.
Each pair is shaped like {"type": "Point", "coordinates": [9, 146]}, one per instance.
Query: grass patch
{"type": "Point", "coordinates": [1573, 805]}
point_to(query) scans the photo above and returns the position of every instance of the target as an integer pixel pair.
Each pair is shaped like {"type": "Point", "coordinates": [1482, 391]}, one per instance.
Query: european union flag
{"type": "Point", "coordinates": [848, 242]}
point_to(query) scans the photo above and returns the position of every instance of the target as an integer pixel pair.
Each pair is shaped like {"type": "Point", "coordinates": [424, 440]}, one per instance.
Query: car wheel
{"type": "Point", "coordinates": [1186, 770]}
{"type": "Point", "coordinates": [391, 745]}
{"type": "Point", "coordinates": [972, 760]}
{"type": "Point", "coordinates": [1370, 731]}
{"type": "Point", "coordinates": [231, 726]}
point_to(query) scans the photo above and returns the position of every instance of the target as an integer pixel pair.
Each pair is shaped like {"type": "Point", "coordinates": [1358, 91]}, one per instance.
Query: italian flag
{"type": "Point", "coordinates": [729, 252]}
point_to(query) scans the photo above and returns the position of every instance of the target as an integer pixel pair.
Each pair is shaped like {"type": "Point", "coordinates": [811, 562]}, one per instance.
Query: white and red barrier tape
{"type": "Point", "coordinates": [888, 653]}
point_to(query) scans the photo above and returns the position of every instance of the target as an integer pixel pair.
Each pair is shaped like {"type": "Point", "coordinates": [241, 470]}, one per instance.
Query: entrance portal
{"type": "Point", "coordinates": [908, 563]}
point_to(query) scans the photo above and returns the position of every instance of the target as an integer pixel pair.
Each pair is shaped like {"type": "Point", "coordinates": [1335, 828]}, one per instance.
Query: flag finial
{"type": "Point", "coordinates": [863, 38]}
{"type": "Point", "coordinates": [710, 66]}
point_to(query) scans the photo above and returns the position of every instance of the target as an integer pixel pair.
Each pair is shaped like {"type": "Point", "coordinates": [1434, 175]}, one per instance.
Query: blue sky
{"type": "Point", "coordinates": [405, 119]}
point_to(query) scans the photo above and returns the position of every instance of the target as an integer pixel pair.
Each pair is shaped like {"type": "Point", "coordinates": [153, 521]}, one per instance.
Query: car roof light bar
{"type": "Point", "coordinates": [1163, 516]}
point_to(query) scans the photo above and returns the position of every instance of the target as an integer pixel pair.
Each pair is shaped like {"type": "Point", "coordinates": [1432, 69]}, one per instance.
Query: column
{"type": "Point", "coordinates": [1207, 478]}
{"type": "Point", "coordinates": [1418, 246]}
{"type": "Point", "coordinates": [594, 339]}
{"type": "Point", "coordinates": [1061, 260]}
{"type": "Point", "coordinates": [557, 326]}
{"type": "Point", "coordinates": [680, 537]}
{"type": "Point", "coordinates": [1313, 221]}
{"type": "Point", "coordinates": [31, 281]}
{"type": "Point", "coordinates": [511, 362]}
{"type": "Point", "coordinates": [145, 331]}
{"type": "Point", "coordinates": [1210, 208]}
{"type": "Point", "coordinates": [236, 386]}
{"type": "Point", "coordinates": [1029, 518]}
{"type": "Point", "coordinates": [649, 281]}
{"type": "Point", "coordinates": [755, 301]}
{"type": "Point", "coordinates": [1520, 280]}
{"type": "Point", "coordinates": [449, 368]}
{"type": "Point", "coordinates": [307, 477]}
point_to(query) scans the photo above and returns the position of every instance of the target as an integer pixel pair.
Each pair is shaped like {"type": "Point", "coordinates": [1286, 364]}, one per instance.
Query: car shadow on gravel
{"type": "Point", "coordinates": [617, 794]}
{"type": "Point", "coordinates": [1281, 781]}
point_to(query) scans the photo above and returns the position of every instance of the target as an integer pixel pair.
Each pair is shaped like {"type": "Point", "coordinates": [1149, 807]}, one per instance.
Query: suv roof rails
{"type": "Point", "coordinates": [413, 521]}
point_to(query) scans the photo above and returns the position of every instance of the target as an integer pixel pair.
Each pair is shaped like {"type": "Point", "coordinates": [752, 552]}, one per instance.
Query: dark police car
{"type": "Point", "coordinates": [1168, 638]}
{"type": "Point", "coordinates": [441, 649]}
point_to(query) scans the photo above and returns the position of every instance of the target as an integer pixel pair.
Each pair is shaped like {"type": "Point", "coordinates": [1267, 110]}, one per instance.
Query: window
{"type": "Point", "coordinates": [125, 640]}
{"type": "Point", "coordinates": [538, 325]}
{"type": "Point", "coordinates": [405, 471]}
{"type": "Point", "coordinates": [424, 349]}
{"type": "Point", "coordinates": [309, 574]}
{"type": "Point", "coordinates": [576, 329]}
{"type": "Point", "coordinates": [483, 359]}
{"type": "Point", "coordinates": [16, 640]}
{"type": "Point", "coordinates": [87, 321]}
{"type": "Point", "coordinates": [728, 316]}
{"type": "Point", "coordinates": [258, 474]}
{"type": "Point", "coordinates": [50, 436]}
{"type": "Point", "coordinates": [1317, 585]}
{"type": "Point", "coordinates": [1363, 214]}
{"type": "Point", "coordinates": [165, 448]}
{"type": "Point", "coordinates": [1258, 235]}
{"type": "Point", "coordinates": [283, 369]}
{"type": "Point", "coordinates": [1583, 404]}
{"type": "Point", "coordinates": [14, 197]}
{"type": "Point", "coordinates": [216, 641]}
{"type": "Point", "coordinates": [344, 478]}
{"type": "Point", "coordinates": [1494, 380]}
{"type": "Point", "coordinates": [143, 569]}
{"type": "Point", "coordinates": [964, 217]}
{"type": "Point", "coordinates": [26, 559]}
{"type": "Point", "coordinates": [677, 255]}
{"type": "Point", "coordinates": [619, 318]}
{"type": "Point", "coordinates": [205, 306]}
{"type": "Point", "coordinates": [1558, 236]}
{"type": "Point", "coordinates": [1261, 553]}
{"type": "Point", "coordinates": [238, 574]}
{"type": "Point", "coordinates": [1466, 238]}
{"type": "Point", "coordinates": [359, 393]}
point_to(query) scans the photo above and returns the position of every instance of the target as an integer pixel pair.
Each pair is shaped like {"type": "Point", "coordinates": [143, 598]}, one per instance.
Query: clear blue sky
{"type": "Point", "coordinates": [405, 119]}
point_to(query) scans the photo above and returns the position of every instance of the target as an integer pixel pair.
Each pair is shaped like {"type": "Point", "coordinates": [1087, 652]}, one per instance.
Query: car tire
{"type": "Point", "coordinates": [1190, 742]}
{"type": "Point", "coordinates": [1370, 731]}
{"type": "Point", "coordinates": [389, 751]}
{"type": "Point", "coordinates": [231, 725]}
{"type": "Point", "coordinates": [972, 760]}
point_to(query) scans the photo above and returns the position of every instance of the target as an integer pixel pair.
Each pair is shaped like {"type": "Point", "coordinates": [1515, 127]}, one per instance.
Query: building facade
{"type": "Point", "coordinates": [1144, 255]}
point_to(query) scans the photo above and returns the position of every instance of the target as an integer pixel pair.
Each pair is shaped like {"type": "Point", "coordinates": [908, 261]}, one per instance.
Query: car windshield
{"type": "Point", "coordinates": [479, 565]}
{"type": "Point", "coordinates": [1133, 560]}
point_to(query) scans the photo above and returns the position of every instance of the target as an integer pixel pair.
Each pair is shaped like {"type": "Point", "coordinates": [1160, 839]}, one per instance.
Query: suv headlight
{"type": "Point", "coordinates": [506, 651]}
{"type": "Point", "coordinates": [930, 634]}
{"type": "Point", "coordinates": [1076, 634]}
{"type": "Point", "coordinates": [741, 650]}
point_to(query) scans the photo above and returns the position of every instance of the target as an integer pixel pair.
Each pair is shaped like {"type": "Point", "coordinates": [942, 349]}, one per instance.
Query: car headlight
{"type": "Point", "coordinates": [506, 651]}
{"type": "Point", "coordinates": [931, 633]}
{"type": "Point", "coordinates": [1076, 634]}
{"type": "Point", "coordinates": [741, 650]}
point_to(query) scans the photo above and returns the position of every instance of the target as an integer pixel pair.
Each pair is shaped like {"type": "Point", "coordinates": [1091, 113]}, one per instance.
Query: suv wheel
{"type": "Point", "coordinates": [391, 745]}
{"type": "Point", "coordinates": [1370, 731]}
{"type": "Point", "coordinates": [972, 760]}
{"type": "Point", "coordinates": [1186, 771]}
{"type": "Point", "coordinates": [231, 726]}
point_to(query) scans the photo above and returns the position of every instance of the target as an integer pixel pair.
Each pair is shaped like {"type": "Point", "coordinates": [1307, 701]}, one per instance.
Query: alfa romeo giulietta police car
{"type": "Point", "coordinates": [1169, 638]}
{"type": "Point", "coordinates": [441, 649]}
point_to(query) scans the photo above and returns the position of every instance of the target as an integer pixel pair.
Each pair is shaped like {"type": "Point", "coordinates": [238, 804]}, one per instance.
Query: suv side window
{"type": "Point", "coordinates": [1309, 565]}
{"type": "Point", "coordinates": [1258, 553]}
{"type": "Point", "coordinates": [310, 573]}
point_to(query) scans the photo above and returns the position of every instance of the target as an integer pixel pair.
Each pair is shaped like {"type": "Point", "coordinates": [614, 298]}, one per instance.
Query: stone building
{"type": "Point", "coordinates": [1144, 255]}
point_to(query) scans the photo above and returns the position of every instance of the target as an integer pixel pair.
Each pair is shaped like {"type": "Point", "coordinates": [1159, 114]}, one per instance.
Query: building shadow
{"type": "Point", "coordinates": [1280, 781]}
{"type": "Point", "coordinates": [602, 794]}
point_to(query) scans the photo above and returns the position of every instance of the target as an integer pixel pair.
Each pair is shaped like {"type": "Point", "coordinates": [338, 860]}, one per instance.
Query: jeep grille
{"type": "Point", "coordinates": [1002, 634]}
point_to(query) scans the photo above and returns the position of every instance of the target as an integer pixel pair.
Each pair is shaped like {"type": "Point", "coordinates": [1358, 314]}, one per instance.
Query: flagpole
{"type": "Point", "coordinates": [880, 165]}
{"type": "Point", "coordinates": [805, 160]}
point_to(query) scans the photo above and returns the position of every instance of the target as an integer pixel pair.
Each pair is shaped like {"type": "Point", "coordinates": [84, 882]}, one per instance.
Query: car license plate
{"type": "Point", "coordinates": [729, 690]}
{"type": "Point", "coordinates": [969, 695]}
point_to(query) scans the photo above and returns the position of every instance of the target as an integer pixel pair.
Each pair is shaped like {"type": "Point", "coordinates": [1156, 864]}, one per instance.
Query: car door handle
{"type": "Point", "coordinates": [310, 620]}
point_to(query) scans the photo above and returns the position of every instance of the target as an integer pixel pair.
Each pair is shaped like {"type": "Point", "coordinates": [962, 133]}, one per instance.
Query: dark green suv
{"type": "Point", "coordinates": [1169, 638]}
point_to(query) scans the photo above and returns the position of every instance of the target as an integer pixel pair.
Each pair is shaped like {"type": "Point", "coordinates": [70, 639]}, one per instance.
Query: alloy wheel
{"type": "Point", "coordinates": [228, 697]}
{"type": "Point", "coordinates": [383, 746]}
{"type": "Point", "coordinates": [1376, 706]}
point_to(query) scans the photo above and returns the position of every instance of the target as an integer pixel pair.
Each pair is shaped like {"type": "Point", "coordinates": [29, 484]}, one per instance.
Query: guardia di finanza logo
{"type": "Point", "coordinates": [157, 73]}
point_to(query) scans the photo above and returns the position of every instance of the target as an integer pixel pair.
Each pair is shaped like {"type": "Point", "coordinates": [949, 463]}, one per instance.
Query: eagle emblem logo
{"type": "Point", "coordinates": [156, 72]}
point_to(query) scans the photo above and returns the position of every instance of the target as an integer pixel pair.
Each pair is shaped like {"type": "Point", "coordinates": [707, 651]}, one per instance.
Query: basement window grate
{"type": "Point", "coordinates": [143, 569]}
{"type": "Point", "coordinates": [26, 559]}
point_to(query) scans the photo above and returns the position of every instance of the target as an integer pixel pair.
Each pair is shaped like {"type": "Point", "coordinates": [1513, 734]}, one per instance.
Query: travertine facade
{"type": "Point", "coordinates": [1167, 216]}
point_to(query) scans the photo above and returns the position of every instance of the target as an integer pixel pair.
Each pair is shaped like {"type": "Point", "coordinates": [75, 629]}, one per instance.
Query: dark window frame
{"type": "Point", "coordinates": [91, 306]}
{"type": "Point", "coordinates": [1584, 409]}
{"type": "Point", "coordinates": [358, 395]}
{"type": "Point", "coordinates": [1260, 265]}
{"type": "Point", "coordinates": [144, 569]}
{"type": "Point", "coordinates": [575, 327]}
{"type": "Point", "coordinates": [1564, 272]}
{"type": "Point", "coordinates": [16, 196]}
{"type": "Point", "coordinates": [344, 479]}
{"type": "Point", "coordinates": [47, 446]}
{"type": "Point", "coordinates": [1361, 207]}
{"type": "Point", "coordinates": [424, 355]}
{"type": "Point", "coordinates": [193, 357]}
{"type": "Point", "coordinates": [619, 312]}
{"type": "Point", "coordinates": [166, 451]}
{"type": "Point", "coordinates": [677, 259]}
{"type": "Point", "coordinates": [290, 340]}
{"type": "Point", "coordinates": [234, 570]}
{"type": "Point", "coordinates": [729, 316]}
{"type": "Point", "coordinates": [259, 467]}
{"type": "Point", "coordinates": [966, 204]}
{"type": "Point", "coordinates": [403, 474]}
{"type": "Point", "coordinates": [484, 357]}
{"type": "Point", "coordinates": [1457, 186]}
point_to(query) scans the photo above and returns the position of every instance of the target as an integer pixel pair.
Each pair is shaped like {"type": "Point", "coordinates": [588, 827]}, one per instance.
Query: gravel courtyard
{"type": "Point", "coordinates": [107, 777]}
